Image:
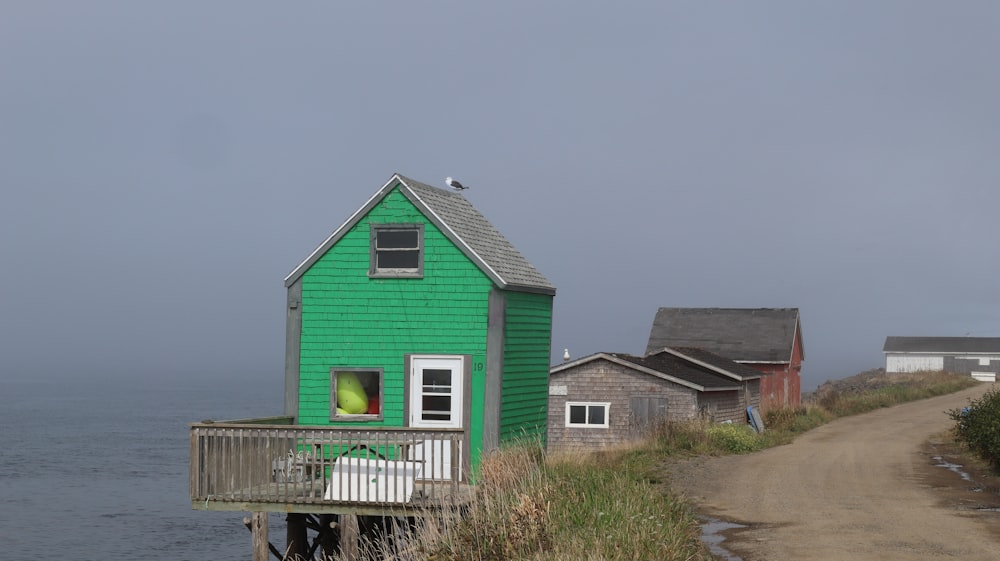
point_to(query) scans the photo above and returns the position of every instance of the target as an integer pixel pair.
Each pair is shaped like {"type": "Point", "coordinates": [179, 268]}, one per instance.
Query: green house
{"type": "Point", "coordinates": [418, 313]}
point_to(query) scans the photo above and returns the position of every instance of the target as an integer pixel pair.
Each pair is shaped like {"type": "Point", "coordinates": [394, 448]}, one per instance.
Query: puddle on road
{"type": "Point", "coordinates": [976, 486]}
{"type": "Point", "coordinates": [711, 535]}
{"type": "Point", "coordinates": [957, 468]}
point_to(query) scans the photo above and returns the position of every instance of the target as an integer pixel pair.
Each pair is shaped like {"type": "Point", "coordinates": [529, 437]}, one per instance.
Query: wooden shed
{"type": "Point", "coordinates": [608, 398]}
{"type": "Point", "coordinates": [977, 356]}
{"type": "Point", "coordinates": [768, 340]}
{"type": "Point", "coordinates": [417, 339]}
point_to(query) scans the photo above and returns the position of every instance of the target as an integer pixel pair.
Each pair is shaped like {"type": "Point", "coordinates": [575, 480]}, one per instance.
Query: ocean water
{"type": "Point", "coordinates": [93, 469]}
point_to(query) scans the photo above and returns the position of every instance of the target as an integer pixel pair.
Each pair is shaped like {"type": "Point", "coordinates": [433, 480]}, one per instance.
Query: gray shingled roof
{"type": "Point", "coordinates": [942, 345]}
{"type": "Point", "coordinates": [665, 365]}
{"type": "Point", "coordinates": [476, 233]}
{"type": "Point", "coordinates": [763, 335]}
{"type": "Point", "coordinates": [732, 367]}
{"type": "Point", "coordinates": [465, 226]}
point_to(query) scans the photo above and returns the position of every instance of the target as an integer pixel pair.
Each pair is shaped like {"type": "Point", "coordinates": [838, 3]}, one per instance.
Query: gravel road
{"type": "Point", "coordinates": [862, 487]}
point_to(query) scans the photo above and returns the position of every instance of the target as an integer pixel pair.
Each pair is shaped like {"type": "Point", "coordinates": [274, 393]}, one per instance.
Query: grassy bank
{"type": "Point", "coordinates": [611, 505]}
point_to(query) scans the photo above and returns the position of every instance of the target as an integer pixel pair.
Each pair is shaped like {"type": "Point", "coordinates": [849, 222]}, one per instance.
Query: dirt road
{"type": "Point", "coordinates": [860, 488]}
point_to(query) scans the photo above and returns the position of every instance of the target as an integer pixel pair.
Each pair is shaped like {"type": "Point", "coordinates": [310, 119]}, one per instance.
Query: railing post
{"type": "Point", "coordinates": [195, 464]}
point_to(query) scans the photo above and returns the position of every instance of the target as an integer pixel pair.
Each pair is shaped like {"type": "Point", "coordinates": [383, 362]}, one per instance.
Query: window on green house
{"type": "Point", "coordinates": [589, 415]}
{"type": "Point", "coordinates": [397, 250]}
{"type": "Point", "coordinates": [356, 394]}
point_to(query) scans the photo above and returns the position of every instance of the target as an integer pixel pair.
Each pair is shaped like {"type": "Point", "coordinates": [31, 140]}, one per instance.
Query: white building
{"type": "Point", "coordinates": [977, 356]}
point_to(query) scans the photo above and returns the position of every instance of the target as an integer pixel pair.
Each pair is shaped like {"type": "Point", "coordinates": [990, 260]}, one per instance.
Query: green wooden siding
{"type": "Point", "coordinates": [527, 347]}
{"type": "Point", "coordinates": [351, 320]}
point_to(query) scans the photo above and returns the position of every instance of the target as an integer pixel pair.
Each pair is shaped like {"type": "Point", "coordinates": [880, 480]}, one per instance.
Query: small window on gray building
{"type": "Point", "coordinates": [587, 414]}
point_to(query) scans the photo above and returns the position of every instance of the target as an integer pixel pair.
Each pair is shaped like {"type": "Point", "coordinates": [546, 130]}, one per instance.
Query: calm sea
{"type": "Point", "coordinates": [99, 469]}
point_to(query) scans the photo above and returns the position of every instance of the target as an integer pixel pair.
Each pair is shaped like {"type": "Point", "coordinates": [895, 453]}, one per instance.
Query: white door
{"type": "Point", "coordinates": [436, 397]}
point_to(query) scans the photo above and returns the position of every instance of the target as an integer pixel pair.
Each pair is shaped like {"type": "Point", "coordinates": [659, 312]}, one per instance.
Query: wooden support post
{"type": "Point", "coordinates": [349, 536]}
{"type": "Point", "coordinates": [329, 534]}
{"type": "Point", "coordinates": [274, 551]}
{"type": "Point", "coordinates": [258, 529]}
{"type": "Point", "coordinates": [296, 538]}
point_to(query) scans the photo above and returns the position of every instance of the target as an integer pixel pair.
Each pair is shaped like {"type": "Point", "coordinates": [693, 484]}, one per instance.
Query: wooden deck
{"type": "Point", "coordinates": [256, 466]}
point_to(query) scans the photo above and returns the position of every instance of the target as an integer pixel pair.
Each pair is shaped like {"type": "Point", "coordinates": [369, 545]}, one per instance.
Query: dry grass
{"type": "Point", "coordinates": [565, 507]}
{"type": "Point", "coordinates": [608, 504]}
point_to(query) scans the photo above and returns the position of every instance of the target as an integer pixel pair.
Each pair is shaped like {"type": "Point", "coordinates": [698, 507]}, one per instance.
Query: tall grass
{"type": "Point", "coordinates": [564, 507]}
{"type": "Point", "coordinates": [606, 509]}
{"type": "Point", "coordinates": [900, 389]}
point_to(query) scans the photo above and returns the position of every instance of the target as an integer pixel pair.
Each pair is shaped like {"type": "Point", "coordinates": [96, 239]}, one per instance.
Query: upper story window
{"type": "Point", "coordinates": [397, 250]}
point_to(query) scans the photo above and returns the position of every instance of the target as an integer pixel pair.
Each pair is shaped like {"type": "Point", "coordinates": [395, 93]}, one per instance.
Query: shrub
{"type": "Point", "coordinates": [781, 419]}
{"type": "Point", "coordinates": [733, 438]}
{"type": "Point", "coordinates": [978, 426]}
{"type": "Point", "coordinates": [682, 437]}
{"type": "Point", "coordinates": [810, 418]}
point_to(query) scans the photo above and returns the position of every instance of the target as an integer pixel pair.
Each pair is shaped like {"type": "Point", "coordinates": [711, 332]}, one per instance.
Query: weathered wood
{"type": "Point", "coordinates": [329, 537]}
{"type": "Point", "coordinates": [241, 467]}
{"type": "Point", "coordinates": [349, 536]}
{"type": "Point", "coordinates": [274, 551]}
{"type": "Point", "coordinates": [257, 525]}
{"type": "Point", "coordinates": [195, 470]}
{"type": "Point", "coordinates": [296, 537]}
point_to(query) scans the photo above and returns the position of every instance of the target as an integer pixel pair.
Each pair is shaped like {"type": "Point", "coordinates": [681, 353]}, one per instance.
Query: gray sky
{"type": "Point", "coordinates": [164, 165]}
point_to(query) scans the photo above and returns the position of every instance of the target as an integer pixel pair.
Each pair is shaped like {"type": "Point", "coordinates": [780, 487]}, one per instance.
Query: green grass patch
{"type": "Point", "coordinates": [735, 439]}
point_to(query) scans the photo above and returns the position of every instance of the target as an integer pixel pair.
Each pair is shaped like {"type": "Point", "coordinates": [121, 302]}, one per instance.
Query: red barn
{"type": "Point", "coordinates": [766, 339]}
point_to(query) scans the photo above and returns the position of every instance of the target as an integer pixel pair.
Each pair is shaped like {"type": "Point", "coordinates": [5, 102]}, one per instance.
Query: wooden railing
{"type": "Point", "coordinates": [238, 463]}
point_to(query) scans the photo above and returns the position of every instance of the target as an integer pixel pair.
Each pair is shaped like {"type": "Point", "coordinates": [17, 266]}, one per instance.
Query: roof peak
{"type": "Point", "coordinates": [458, 220]}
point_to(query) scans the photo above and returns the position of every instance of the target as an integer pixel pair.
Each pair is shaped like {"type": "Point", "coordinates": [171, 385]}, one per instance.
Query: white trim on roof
{"type": "Point", "coordinates": [723, 371]}
{"type": "Point", "coordinates": [454, 236]}
{"type": "Point", "coordinates": [327, 243]}
{"type": "Point", "coordinates": [638, 368]}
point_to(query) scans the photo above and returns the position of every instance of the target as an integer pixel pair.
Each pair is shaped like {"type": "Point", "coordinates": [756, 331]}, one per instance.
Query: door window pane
{"type": "Point", "coordinates": [436, 408]}
{"type": "Point", "coordinates": [437, 380]}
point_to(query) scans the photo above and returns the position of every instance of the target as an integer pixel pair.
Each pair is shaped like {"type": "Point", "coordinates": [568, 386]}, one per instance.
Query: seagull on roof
{"type": "Point", "coordinates": [454, 184]}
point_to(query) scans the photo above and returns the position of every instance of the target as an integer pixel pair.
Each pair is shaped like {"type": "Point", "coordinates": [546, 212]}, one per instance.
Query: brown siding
{"type": "Point", "coordinates": [602, 381]}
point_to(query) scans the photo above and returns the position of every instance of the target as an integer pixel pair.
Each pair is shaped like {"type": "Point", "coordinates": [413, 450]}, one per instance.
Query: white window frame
{"type": "Point", "coordinates": [588, 404]}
